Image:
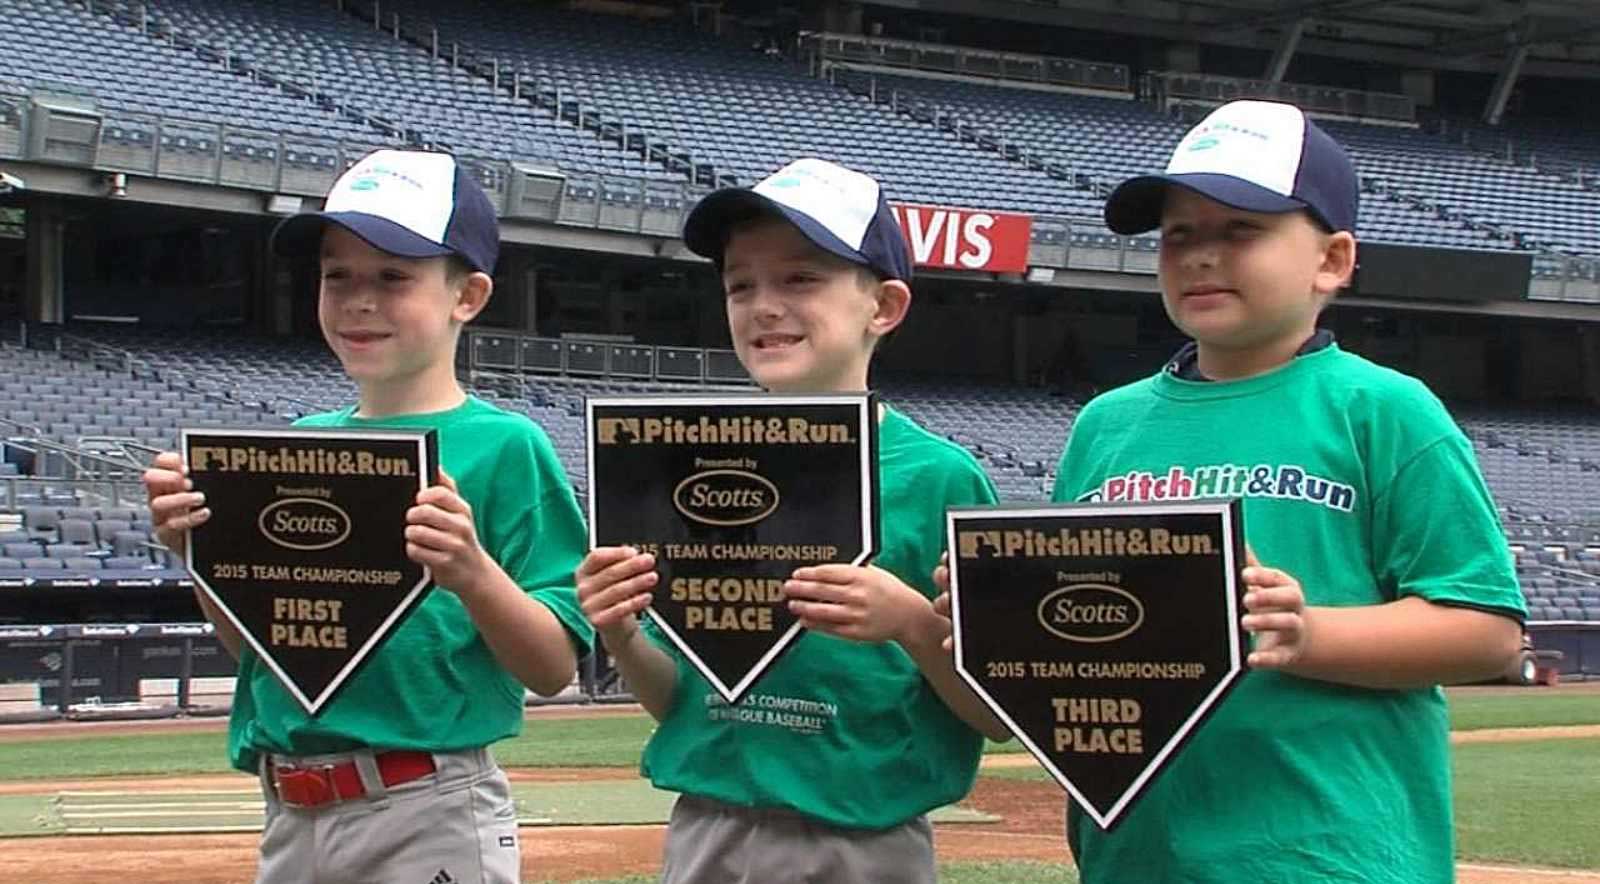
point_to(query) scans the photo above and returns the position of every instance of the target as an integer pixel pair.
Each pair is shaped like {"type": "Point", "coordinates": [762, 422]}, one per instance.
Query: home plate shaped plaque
{"type": "Point", "coordinates": [1103, 635]}
{"type": "Point", "coordinates": [305, 550]}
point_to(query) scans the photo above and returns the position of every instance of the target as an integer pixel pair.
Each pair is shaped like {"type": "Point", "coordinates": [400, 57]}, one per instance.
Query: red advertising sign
{"type": "Point", "coordinates": [965, 239]}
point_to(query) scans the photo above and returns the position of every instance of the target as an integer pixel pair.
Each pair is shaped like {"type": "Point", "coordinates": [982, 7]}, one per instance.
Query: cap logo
{"type": "Point", "coordinates": [367, 183]}
{"type": "Point", "coordinates": [1205, 143]}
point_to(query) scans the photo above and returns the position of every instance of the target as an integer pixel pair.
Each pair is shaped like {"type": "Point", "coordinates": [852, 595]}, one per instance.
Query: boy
{"type": "Point", "coordinates": [1329, 762]}
{"type": "Point", "coordinates": [815, 273]}
{"type": "Point", "coordinates": [393, 781]}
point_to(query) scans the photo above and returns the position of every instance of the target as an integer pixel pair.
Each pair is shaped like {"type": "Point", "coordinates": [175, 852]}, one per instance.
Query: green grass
{"type": "Point", "coordinates": [1520, 803]}
{"type": "Point", "coordinates": [613, 740]}
{"type": "Point", "coordinates": [1529, 803]}
{"type": "Point", "coordinates": [949, 873]}
{"type": "Point", "coordinates": [610, 741]}
{"type": "Point", "coordinates": [1534, 707]}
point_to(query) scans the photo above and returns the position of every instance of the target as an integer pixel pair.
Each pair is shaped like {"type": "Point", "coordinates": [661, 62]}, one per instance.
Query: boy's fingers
{"type": "Point", "coordinates": [827, 593]}
{"type": "Point", "coordinates": [941, 578]}
{"type": "Point", "coordinates": [433, 517]}
{"type": "Point", "coordinates": [941, 604]}
{"type": "Point", "coordinates": [822, 613]}
{"type": "Point", "coordinates": [1250, 559]}
{"type": "Point", "coordinates": [827, 573]}
{"type": "Point", "coordinates": [165, 481]}
{"type": "Point", "coordinates": [1275, 622]}
{"type": "Point", "coordinates": [1259, 576]}
{"type": "Point", "coordinates": [623, 570]}
{"type": "Point", "coordinates": [443, 498]}
{"type": "Point", "coordinates": [1280, 598]}
{"type": "Point", "coordinates": [168, 460]}
{"type": "Point", "coordinates": [1271, 658]}
{"type": "Point", "coordinates": [603, 557]}
{"type": "Point", "coordinates": [432, 538]}
{"type": "Point", "coordinates": [448, 483]}
{"type": "Point", "coordinates": [599, 597]}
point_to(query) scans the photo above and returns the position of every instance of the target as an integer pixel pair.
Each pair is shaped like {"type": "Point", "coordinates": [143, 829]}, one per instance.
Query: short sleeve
{"type": "Point", "coordinates": [1436, 535]}
{"type": "Point", "coordinates": [543, 541]}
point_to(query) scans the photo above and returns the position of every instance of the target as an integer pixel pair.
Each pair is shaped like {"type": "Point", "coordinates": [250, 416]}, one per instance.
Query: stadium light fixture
{"type": "Point", "coordinates": [10, 183]}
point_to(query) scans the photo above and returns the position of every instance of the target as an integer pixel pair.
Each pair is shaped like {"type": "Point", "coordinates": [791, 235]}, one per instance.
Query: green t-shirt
{"type": "Point", "coordinates": [434, 685]}
{"type": "Point", "coordinates": [845, 732]}
{"type": "Point", "coordinates": [1356, 482]}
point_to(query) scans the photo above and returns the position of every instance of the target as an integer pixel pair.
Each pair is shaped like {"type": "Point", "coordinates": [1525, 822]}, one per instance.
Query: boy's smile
{"type": "Point", "coordinates": [800, 318]}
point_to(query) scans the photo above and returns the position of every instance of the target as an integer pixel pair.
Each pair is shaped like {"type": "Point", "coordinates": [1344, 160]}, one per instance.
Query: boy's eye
{"type": "Point", "coordinates": [1243, 229]}
{"type": "Point", "coordinates": [1174, 234]}
{"type": "Point", "coordinates": [335, 273]}
{"type": "Point", "coordinates": [735, 287]}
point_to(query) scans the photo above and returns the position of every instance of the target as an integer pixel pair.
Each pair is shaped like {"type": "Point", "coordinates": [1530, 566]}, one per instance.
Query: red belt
{"type": "Point", "coordinates": [319, 784]}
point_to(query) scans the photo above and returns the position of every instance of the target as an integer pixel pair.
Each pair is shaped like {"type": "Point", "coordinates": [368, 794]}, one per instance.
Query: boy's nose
{"type": "Point", "coordinates": [1202, 254]}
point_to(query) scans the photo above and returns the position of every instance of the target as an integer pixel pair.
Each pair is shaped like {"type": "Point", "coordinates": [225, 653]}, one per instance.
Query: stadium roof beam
{"type": "Point", "coordinates": [1528, 33]}
{"type": "Point", "coordinates": [1296, 14]}
{"type": "Point", "coordinates": [1278, 65]}
{"type": "Point", "coordinates": [1503, 83]}
{"type": "Point", "coordinates": [1378, 36]}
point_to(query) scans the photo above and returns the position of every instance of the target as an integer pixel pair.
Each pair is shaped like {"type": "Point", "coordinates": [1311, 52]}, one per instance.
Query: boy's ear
{"type": "Point", "coordinates": [472, 297]}
{"type": "Point", "coordinates": [1338, 263]}
{"type": "Point", "coordinates": [893, 299]}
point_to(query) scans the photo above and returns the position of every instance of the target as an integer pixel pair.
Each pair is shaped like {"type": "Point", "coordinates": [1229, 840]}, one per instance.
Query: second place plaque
{"type": "Point", "coordinates": [732, 494]}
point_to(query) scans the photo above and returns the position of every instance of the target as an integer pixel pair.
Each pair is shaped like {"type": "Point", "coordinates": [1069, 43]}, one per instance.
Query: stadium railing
{"type": "Point", "coordinates": [506, 351]}
{"type": "Point", "coordinates": [822, 47]}
{"type": "Point", "coordinates": [1167, 88]}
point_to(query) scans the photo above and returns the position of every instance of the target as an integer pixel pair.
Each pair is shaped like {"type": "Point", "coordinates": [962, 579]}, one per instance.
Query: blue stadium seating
{"type": "Point", "coordinates": [57, 42]}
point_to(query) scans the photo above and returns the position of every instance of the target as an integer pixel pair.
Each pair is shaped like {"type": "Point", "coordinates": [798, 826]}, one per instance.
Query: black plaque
{"type": "Point", "coordinates": [732, 494]}
{"type": "Point", "coordinates": [305, 549]}
{"type": "Point", "coordinates": [1102, 635]}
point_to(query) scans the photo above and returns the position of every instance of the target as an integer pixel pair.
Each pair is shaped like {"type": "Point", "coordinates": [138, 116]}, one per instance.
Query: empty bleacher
{"type": "Point", "coordinates": [57, 43]}
{"type": "Point", "coordinates": [740, 112]}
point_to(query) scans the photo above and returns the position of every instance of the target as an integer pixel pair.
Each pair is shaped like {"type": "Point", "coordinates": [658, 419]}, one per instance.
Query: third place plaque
{"type": "Point", "coordinates": [1101, 634]}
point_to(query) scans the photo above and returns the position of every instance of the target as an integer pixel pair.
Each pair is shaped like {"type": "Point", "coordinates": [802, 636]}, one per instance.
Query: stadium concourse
{"type": "Point", "coordinates": [148, 147]}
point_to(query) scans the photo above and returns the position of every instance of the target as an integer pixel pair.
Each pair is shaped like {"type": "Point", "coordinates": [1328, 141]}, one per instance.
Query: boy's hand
{"type": "Point", "coordinates": [614, 584]}
{"type": "Point", "coordinates": [861, 603]}
{"type": "Point", "coordinates": [941, 605]}
{"type": "Point", "coordinates": [175, 506]}
{"type": "Point", "coordinates": [1277, 607]}
{"type": "Point", "coordinates": [440, 534]}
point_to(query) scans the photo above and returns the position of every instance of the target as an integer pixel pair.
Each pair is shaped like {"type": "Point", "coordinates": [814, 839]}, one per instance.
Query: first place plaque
{"type": "Point", "coordinates": [732, 494]}
{"type": "Point", "coordinates": [305, 550]}
{"type": "Point", "coordinates": [1102, 635]}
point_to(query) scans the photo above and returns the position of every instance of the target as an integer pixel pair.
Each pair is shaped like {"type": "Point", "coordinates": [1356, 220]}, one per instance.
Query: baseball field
{"type": "Point", "coordinates": [153, 801]}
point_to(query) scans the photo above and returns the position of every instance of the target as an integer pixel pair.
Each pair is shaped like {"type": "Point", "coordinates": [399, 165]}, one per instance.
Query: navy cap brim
{"type": "Point", "coordinates": [705, 231]}
{"type": "Point", "coordinates": [1135, 206]}
{"type": "Point", "coordinates": [301, 235]}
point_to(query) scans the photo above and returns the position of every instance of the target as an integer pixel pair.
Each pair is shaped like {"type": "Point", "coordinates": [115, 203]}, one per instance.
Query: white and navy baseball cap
{"type": "Point", "coordinates": [411, 203]}
{"type": "Point", "coordinates": [840, 210]}
{"type": "Point", "coordinates": [1259, 156]}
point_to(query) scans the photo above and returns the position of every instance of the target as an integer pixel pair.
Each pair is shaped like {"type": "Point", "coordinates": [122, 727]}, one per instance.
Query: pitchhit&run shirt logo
{"type": "Point", "coordinates": [1281, 482]}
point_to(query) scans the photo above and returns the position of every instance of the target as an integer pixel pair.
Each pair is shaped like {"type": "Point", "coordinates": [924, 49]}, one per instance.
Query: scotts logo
{"type": "Point", "coordinates": [726, 497]}
{"type": "Point", "coordinates": [1091, 612]}
{"type": "Point", "coordinates": [304, 523]}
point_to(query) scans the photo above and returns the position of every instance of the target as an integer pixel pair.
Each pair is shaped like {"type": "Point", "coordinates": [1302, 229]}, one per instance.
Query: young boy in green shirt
{"type": "Point", "coordinates": [393, 780]}
{"type": "Point", "coordinates": [1382, 569]}
{"type": "Point", "coordinates": [815, 272]}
